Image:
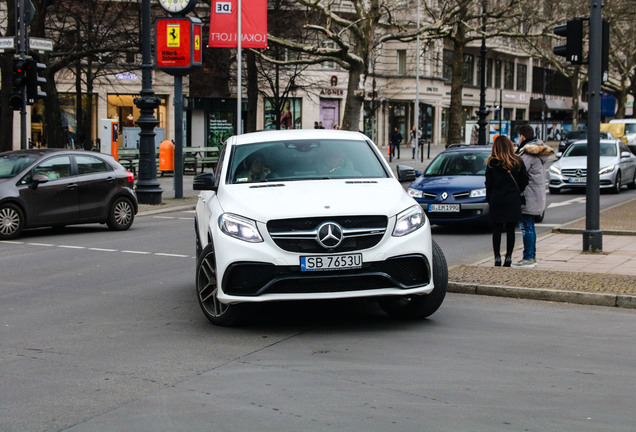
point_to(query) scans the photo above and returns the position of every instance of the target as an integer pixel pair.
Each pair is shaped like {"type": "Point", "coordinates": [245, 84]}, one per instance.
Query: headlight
{"type": "Point", "coordinates": [555, 170]}
{"type": "Point", "coordinates": [409, 220]}
{"type": "Point", "coordinates": [478, 193]}
{"type": "Point", "coordinates": [607, 169]}
{"type": "Point", "coordinates": [415, 193]}
{"type": "Point", "coordinates": [239, 227]}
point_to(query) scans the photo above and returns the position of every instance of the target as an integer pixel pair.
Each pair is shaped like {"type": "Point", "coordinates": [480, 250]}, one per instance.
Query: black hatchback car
{"type": "Point", "coordinates": [54, 187]}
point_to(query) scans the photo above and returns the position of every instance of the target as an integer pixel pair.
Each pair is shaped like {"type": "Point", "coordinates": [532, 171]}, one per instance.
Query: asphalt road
{"type": "Point", "coordinates": [101, 331]}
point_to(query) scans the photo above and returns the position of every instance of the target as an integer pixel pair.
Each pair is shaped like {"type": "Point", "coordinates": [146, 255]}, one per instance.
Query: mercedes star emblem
{"type": "Point", "coordinates": [329, 235]}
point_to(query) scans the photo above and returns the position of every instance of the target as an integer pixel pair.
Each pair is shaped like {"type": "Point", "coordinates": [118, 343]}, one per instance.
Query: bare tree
{"type": "Point", "coordinates": [355, 30]}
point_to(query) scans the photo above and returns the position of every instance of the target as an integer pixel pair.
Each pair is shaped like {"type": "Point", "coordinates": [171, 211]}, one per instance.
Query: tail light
{"type": "Point", "coordinates": [131, 177]}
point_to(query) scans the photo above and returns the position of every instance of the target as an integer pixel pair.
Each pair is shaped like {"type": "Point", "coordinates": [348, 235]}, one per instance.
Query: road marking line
{"type": "Point", "coordinates": [135, 252]}
{"type": "Point", "coordinates": [576, 200]}
{"type": "Point", "coordinates": [102, 250]}
{"type": "Point", "coordinates": [172, 255]}
{"type": "Point", "coordinates": [42, 244]}
{"type": "Point", "coordinates": [11, 242]}
{"type": "Point", "coordinates": [71, 247]}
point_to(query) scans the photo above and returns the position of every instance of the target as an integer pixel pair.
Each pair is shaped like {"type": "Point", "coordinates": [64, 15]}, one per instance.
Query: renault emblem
{"type": "Point", "coordinates": [444, 195]}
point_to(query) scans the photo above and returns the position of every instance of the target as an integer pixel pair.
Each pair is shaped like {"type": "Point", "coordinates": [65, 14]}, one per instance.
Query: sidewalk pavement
{"type": "Point", "coordinates": [563, 272]}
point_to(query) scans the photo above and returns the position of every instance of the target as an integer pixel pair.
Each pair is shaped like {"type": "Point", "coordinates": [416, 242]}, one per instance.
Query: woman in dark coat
{"type": "Point", "coordinates": [506, 178]}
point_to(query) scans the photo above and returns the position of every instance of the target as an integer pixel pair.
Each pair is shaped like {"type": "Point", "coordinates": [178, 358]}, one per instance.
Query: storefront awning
{"type": "Point", "coordinates": [550, 105]}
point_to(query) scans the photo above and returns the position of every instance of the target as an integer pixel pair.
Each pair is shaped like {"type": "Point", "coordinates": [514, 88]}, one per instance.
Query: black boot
{"type": "Point", "coordinates": [497, 260]}
{"type": "Point", "coordinates": [508, 261]}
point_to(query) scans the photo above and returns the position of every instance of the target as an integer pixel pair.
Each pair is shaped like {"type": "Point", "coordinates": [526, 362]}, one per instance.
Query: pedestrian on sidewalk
{"type": "Point", "coordinates": [535, 155]}
{"type": "Point", "coordinates": [396, 140]}
{"type": "Point", "coordinates": [506, 179]}
{"type": "Point", "coordinates": [414, 137]}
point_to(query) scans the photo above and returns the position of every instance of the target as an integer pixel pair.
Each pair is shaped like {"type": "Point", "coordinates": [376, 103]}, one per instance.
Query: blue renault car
{"type": "Point", "coordinates": [452, 189]}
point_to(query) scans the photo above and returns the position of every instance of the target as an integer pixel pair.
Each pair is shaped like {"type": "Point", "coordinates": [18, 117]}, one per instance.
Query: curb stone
{"type": "Point", "coordinates": [577, 297]}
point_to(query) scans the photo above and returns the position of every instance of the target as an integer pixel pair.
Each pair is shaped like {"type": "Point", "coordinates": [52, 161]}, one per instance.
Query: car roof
{"type": "Point", "coordinates": [601, 141]}
{"type": "Point", "coordinates": [44, 151]}
{"type": "Point", "coordinates": [467, 147]}
{"type": "Point", "coordinates": [294, 134]}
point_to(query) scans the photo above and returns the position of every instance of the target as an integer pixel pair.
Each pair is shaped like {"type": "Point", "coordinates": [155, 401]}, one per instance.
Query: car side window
{"type": "Point", "coordinates": [54, 168]}
{"type": "Point", "coordinates": [91, 164]}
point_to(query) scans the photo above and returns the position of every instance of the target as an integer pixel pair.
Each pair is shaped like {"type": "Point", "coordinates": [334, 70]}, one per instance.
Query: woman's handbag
{"type": "Point", "coordinates": [522, 197]}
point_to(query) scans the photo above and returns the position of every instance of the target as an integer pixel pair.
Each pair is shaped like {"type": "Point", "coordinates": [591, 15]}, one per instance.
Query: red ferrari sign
{"type": "Point", "coordinates": [224, 20]}
{"type": "Point", "coordinates": [178, 44]}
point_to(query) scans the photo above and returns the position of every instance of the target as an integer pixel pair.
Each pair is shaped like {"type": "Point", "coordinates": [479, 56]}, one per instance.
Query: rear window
{"type": "Point", "coordinates": [458, 163]}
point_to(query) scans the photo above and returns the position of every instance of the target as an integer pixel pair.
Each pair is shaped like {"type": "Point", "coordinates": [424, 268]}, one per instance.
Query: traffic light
{"type": "Point", "coordinates": [33, 81]}
{"type": "Point", "coordinates": [573, 49]}
{"type": "Point", "coordinates": [16, 99]}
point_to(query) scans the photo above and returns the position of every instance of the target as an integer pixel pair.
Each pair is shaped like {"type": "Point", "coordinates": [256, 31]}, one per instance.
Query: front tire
{"type": "Point", "coordinates": [617, 184]}
{"type": "Point", "coordinates": [216, 312]}
{"type": "Point", "coordinates": [421, 306]}
{"type": "Point", "coordinates": [121, 215]}
{"type": "Point", "coordinates": [11, 221]}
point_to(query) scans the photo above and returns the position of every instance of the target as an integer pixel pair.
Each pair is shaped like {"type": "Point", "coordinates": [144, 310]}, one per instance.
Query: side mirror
{"type": "Point", "coordinates": [558, 155]}
{"type": "Point", "coordinates": [625, 154]}
{"type": "Point", "coordinates": [38, 179]}
{"type": "Point", "coordinates": [405, 173]}
{"type": "Point", "coordinates": [204, 181]}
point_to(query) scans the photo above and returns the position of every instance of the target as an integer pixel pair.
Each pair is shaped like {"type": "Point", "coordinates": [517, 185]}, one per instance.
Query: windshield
{"type": "Point", "coordinates": [11, 165]}
{"type": "Point", "coordinates": [580, 149]}
{"type": "Point", "coordinates": [630, 128]}
{"type": "Point", "coordinates": [576, 135]}
{"type": "Point", "coordinates": [458, 163]}
{"type": "Point", "coordinates": [304, 160]}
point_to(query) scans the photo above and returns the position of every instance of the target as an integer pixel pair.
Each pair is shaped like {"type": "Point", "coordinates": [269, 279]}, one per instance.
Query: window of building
{"type": "Point", "coordinates": [522, 77]}
{"type": "Point", "coordinates": [401, 62]}
{"type": "Point", "coordinates": [509, 75]}
{"type": "Point", "coordinates": [520, 114]}
{"type": "Point", "coordinates": [447, 68]}
{"type": "Point", "coordinates": [497, 73]}
{"type": "Point", "coordinates": [329, 65]}
{"type": "Point", "coordinates": [469, 68]}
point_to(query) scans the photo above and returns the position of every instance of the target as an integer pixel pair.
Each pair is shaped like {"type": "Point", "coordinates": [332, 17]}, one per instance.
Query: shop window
{"type": "Point", "coordinates": [291, 114]}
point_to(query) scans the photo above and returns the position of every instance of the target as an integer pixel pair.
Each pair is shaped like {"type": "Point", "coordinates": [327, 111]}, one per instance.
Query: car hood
{"type": "Point", "coordinates": [297, 199]}
{"type": "Point", "coordinates": [581, 162]}
{"type": "Point", "coordinates": [449, 183]}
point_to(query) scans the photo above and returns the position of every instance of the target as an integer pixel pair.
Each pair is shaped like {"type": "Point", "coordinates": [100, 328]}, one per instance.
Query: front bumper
{"type": "Point", "coordinates": [468, 213]}
{"type": "Point", "coordinates": [260, 272]}
{"type": "Point", "coordinates": [557, 181]}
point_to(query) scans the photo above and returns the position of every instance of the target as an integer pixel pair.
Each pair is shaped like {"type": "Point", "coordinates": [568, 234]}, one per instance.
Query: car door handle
{"type": "Point", "coordinates": [110, 179]}
{"type": "Point", "coordinates": [72, 186]}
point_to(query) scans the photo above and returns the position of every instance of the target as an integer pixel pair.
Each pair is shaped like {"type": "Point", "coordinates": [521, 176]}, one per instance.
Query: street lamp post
{"type": "Point", "coordinates": [148, 189]}
{"type": "Point", "coordinates": [483, 111]}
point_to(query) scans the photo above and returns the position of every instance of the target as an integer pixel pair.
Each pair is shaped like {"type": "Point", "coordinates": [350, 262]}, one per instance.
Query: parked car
{"type": "Point", "coordinates": [309, 215]}
{"type": "Point", "coordinates": [617, 167]}
{"type": "Point", "coordinates": [49, 187]}
{"type": "Point", "coordinates": [452, 189]}
{"type": "Point", "coordinates": [577, 135]}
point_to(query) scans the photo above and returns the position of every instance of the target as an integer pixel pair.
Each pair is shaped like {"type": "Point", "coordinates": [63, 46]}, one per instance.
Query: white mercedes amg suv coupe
{"type": "Point", "coordinates": [311, 215]}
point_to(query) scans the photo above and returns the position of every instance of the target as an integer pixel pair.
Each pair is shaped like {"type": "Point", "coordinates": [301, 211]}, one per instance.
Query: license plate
{"type": "Point", "coordinates": [330, 262]}
{"type": "Point", "coordinates": [577, 179]}
{"type": "Point", "coordinates": [452, 208]}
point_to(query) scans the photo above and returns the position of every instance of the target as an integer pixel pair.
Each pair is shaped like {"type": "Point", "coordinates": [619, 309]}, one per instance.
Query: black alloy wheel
{"type": "Point", "coordinates": [421, 306]}
{"type": "Point", "coordinates": [217, 313]}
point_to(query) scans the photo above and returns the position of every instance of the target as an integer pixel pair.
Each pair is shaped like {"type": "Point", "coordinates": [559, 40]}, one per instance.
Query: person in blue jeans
{"type": "Point", "coordinates": [535, 155]}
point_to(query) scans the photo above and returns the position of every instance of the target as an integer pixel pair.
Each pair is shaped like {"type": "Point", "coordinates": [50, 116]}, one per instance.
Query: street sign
{"type": "Point", "coordinates": [7, 43]}
{"type": "Point", "coordinates": [38, 44]}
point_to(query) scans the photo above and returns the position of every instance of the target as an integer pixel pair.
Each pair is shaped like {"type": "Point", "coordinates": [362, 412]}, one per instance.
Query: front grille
{"type": "Point", "coordinates": [429, 195]}
{"type": "Point", "coordinates": [461, 195]}
{"type": "Point", "coordinates": [574, 172]}
{"type": "Point", "coordinates": [253, 279]}
{"type": "Point", "coordinates": [300, 235]}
